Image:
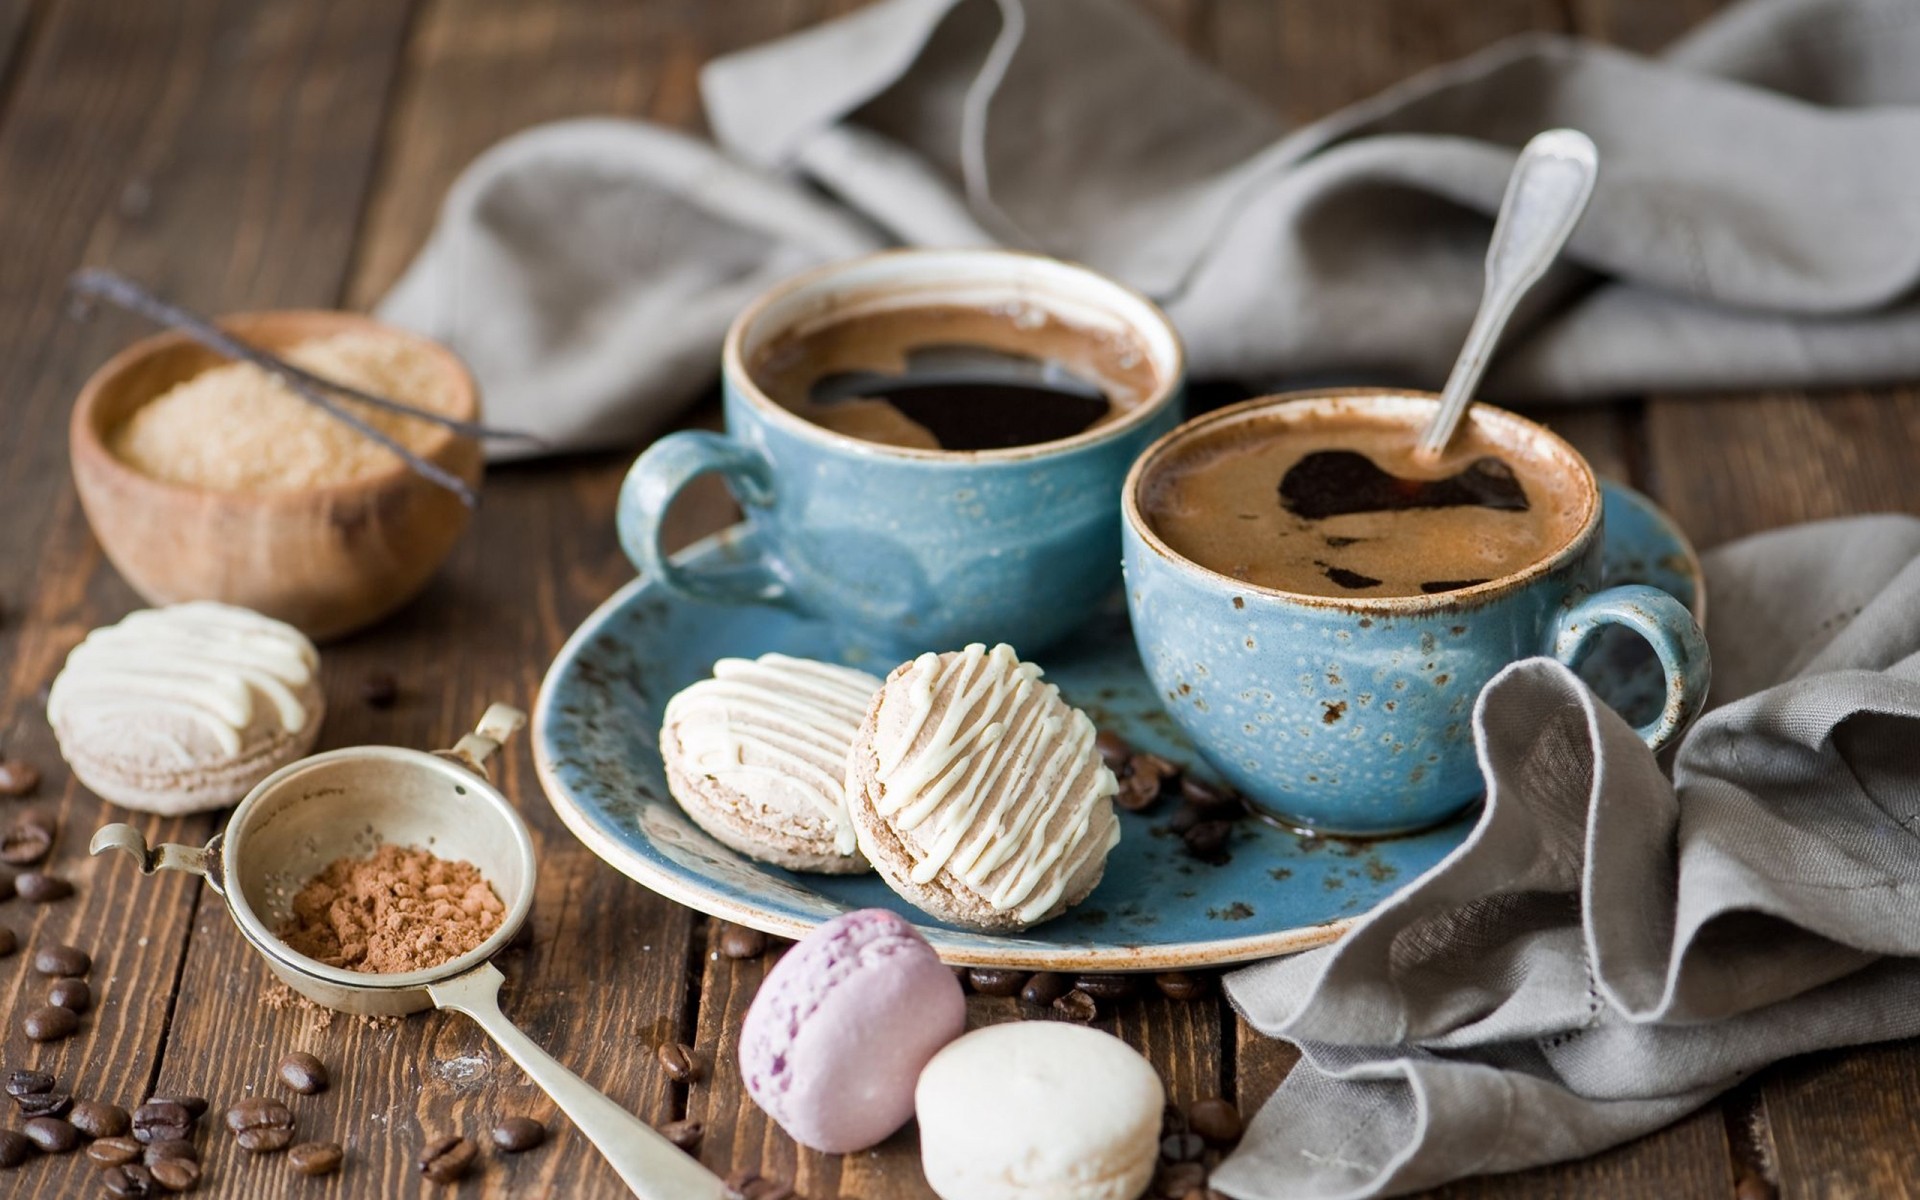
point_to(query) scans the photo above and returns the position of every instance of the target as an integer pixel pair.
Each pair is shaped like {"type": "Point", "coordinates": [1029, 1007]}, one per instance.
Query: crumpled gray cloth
{"type": "Point", "coordinates": [1755, 222]}
{"type": "Point", "coordinates": [1608, 950]}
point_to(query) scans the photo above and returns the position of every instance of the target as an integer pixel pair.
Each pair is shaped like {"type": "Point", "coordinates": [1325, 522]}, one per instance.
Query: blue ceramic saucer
{"type": "Point", "coordinates": [596, 729]}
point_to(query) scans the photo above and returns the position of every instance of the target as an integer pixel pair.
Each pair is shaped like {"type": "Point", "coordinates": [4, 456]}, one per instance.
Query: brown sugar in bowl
{"type": "Point", "coordinates": [328, 559]}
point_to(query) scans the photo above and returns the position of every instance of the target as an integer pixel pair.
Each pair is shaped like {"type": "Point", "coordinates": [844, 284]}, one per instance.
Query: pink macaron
{"type": "Point", "coordinates": [833, 1045]}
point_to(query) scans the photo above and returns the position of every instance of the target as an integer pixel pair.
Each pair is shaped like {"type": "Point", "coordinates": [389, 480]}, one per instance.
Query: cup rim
{"type": "Point", "coordinates": [255, 930]}
{"type": "Point", "coordinates": [734, 368]}
{"type": "Point", "coordinates": [1137, 525]}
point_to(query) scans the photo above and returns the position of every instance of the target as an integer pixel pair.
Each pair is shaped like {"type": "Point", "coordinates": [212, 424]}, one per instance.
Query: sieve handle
{"type": "Point", "coordinates": [203, 861]}
{"type": "Point", "coordinates": [653, 1167]}
{"type": "Point", "coordinates": [499, 723]}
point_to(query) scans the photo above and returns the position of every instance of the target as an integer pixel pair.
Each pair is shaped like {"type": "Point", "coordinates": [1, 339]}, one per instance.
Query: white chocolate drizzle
{"type": "Point", "coordinates": [778, 723]}
{"type": "Point", "coordinates": [201, 661]}
{"type": "Point", "coordinates": [1004, 788]}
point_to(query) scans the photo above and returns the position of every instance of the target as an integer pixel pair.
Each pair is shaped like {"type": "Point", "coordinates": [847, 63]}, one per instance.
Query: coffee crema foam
{"type": "Point", "coordinates": [907, 406]}
{"type": "Point", "coordinates": [1219, 502]}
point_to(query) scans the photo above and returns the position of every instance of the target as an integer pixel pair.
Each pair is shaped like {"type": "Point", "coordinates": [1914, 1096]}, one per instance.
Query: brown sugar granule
{"type": "Point", "coordinates": [402, 909]}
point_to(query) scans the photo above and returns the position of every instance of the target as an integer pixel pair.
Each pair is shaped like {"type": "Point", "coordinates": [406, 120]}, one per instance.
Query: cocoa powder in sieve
{"type": "Point", "coordinates": [402, 909]}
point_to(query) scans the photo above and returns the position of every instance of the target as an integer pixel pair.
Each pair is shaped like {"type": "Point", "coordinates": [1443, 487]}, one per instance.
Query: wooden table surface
{"type": "Point", "coordinates": [265, 153]}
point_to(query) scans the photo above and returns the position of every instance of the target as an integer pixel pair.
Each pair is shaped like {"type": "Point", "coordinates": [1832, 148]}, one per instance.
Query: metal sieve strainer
{"type": "Point", "coordinates": [347, 802]}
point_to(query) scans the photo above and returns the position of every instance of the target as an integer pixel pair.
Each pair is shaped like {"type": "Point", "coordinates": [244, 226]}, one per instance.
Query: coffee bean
{"type": "Point", "coordinates": [170, 1148]}
{"type": "Point", "coordinates": [71, 994]}
{"type": "Point", "coordinates": [1185, 818]}
{"type": "Point", "coordinates": [304, 1073]}
{"type": "Point", "coordinates": [517, 1135]}
{"type": "Point", "coordinates": [737, 941]}
{"type": "Point", "coordinates": [447, 1160]}
{"type": "Point", "coordinates": [18, 778]}
{"type": "Point", "coordinates": [15, 1149]}
{"type": "Point", "coordinates": [162, 1120]}
{"type": "Point", "coordinates": [176, 1174]}
{"type": "Point", "coordinates": [98, 1120]}
{"type": "Point", "coordinates": [1114, 749]}
{"type": "Point", "coordinates": [7, 889]}
{"type": "Point", "coordinates": [44, 1104]}
{"type": "Point", "coordinates": [379, 689]}
{"type": "Point", "coordinates": [316, 1158]}
{"type": "Point", "coordinates": [130, 1181]}
{"type": "Point", "coordinates": [113, 1151]}
{"type": "Point", "coordinates": [52, 1135]}
{"type": "Point", "coordinates": [1211, 803]}
{"type": "Point", "coordinates": [50, 1023]}
{"type": "Point", "coordinates": [1105, 988]}
{"type": "Point", "coordinates": [746, 1185]}
{"type": "Point", "coordinates": [1045, 987]}
{"type": "Point", "coordinates": [1076, 1006]}
{"type": "Point", "coordinates": [27, 1083]}
{"type": "Point", "coordinates": [62, 960]}
{"type": "Point", "coordinates": [1208, 840]}
{"type": "Point", "coordinates": [684, 1134]}
{"type": "Point", "coordinates": [1753, 1187]}
{"type": "Point", "coordinates": [26, 841]}
{"type": "Point", "coordinates": [1173, 1119]}
{"type": "Point", "coordinates": [8, 942]}
{"type": "Point", "coordinates": [1215, 1120]}
{"type": "Point", "coordinates": [996, 981]}
{"type": "Point", "coordinates": [1182, 1147]}
{"type": "Point", "coordinates": [679, 1060]}
{"type": "Point", "coordinates": [1178, 985]}
{"type": "Point", "coordinates": [36, 888]}
{"type": "Point", "coordinates": [260, 1124]}
{"type": "Point", "coordinates": [1175, 1180]}
{"type": "Point", "coordinates": [196, 1106]}
{"type": "Point", "coordinates": [1138, 792]}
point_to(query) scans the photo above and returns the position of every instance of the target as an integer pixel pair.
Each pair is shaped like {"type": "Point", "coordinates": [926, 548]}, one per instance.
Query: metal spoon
{"type": "Point", "coordinates": [1546, 194]}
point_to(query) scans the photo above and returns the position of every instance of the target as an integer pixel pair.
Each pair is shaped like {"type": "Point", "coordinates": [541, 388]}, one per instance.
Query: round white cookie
{"type": "Point", "coordinates": [185, 708]}
{"type": "Point", "coordinates": [1039, 1110]}
{"type": "Point", "coordinates": [978, 793]}
{"type": "Point", "coordinates": [757, 756]}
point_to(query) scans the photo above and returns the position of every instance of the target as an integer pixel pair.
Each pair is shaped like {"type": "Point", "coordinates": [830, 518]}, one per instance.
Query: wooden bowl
{"type": "Point", "coordinates": [328, 559]}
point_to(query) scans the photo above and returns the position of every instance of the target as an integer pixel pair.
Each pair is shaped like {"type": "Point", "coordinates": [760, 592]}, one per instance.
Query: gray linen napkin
{"type": "Point", "coordinates": [1607, 950]}
{"type": "Point", "coordinates": [1756, 222]}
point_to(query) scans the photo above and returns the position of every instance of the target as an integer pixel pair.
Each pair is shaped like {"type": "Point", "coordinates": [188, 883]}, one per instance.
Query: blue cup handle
{"type": "Point", "coordinates": [1666, 625]}
{"type": "Point", "coordinates": [659, 475]}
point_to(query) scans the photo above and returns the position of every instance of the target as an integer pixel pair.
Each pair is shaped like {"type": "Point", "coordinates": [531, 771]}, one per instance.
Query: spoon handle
{"type": "Point", "coordinates": [1546, 194]}
{"type": "Point", "coordinates": [652, 1167]}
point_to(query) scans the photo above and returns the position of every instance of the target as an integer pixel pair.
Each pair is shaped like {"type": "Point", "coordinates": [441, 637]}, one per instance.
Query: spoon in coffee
{"type": "Point", "coordinates": [1546, 194]}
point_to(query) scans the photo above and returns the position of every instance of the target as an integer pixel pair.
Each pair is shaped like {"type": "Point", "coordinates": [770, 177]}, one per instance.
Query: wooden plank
{"type": "Point", "coordinates": [1646, 26]}
{"type": "Point", "coordinates": [1842, 1124]}
{"type": "Point", "coordinates": [16, 17]}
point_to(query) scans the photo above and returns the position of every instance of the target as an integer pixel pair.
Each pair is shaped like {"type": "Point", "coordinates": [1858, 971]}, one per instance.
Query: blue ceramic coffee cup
{"type": "Point", "coordinates": [913, 549]}
{"type": "Point", "coordinates": [1354, 715]}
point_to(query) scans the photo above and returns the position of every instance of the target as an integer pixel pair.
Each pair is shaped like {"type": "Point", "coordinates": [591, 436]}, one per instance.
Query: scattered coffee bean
{"type": "Point", "coordinates": [196, 1106]}
{"type": "Point", "coordinates": [113, 1151]}
{"type": "Point", "coordinates": [26, 841]}
{"type": "Point", "coordinates": [1138, 792]}
{"type": "Point", "coordinates": [746, 1185]}
{"type": "Point", "coordinates": [1114, 749]}
{"type": "Point", "coordinates": [259, 1124]}
{"type": "Point", "coordinates": [68, 961]}
{"type": "Point", "coordinates": [99, 1120]}
{"type": "Point", "coordinates": [170, 1148]}
{"type": "Point", "coordinates": [162, 1120]}
{"type": "Point", "coordinates": [52, 1135]}
{"type": "Point", "coordinates": [737, 941]}
{"type": "Point", "coordinates": [26, 1083]}
{"type": "Point", "coordinates": [130, 1181]}
{"type": "Point", "coordinates": [71, 994]}
{"type": "Point", "coordinates": [1215, 1120]}
{"type": "Point", "coordinates": [304, 1073]}
{"type": "Point", "coordinates": [679, 1060]}
{"type": "Point", "coordinates": [36, 888]}
{"type": "Point", "coordinates": [1185, 818]}
{"type": "Point", "coordinates": [1105, 988]}
{"type": "Point", "coordinates": [14, 1149]}
{"type": "Point", "coordinates": [1753, 1187]}
{"type": "Point", "coordinates": [8, 942]}
{"type": "Point", "coordinates": [1210, 802]}
{"type": "Point", "coordinates": [50, 1023]}
{"type": "Point", "coordinates": [517, 1135]}
{"type": "Point", "coordinates": [1208, 840]}
{"type": "Point", "coordinates": [1076, 1006]}
{"type": "Point", "coordinates": [996, 981]}
{"type": "Point", "coordinates": [684, 1134]}
{"type": "Point", "coordinates": [1175, 1180]}
{"type": "Point", "coordinates": [1173, 1119]}
{"type": "Point", "coordinates": [176, 1174]}
{"type": "Point", "coordinates": [1178, 985]}
{"type": "Point", "coordinates": [447, 1160]}
{"type": "Point", "coordinates": [316, 1158]}
{"type": "Point", "coordinates": [380, 689]}
{"type": "Point", "coordinates": [18, 778]}
{"type": "Point", "coordinates": [1182, 1147]}
{"type": "Point", "coordinates": [44, 1104]}
{"type": "Point", "coordinates": [7, 888]}
{"type": "Point", "coordinates": [1045, 987]}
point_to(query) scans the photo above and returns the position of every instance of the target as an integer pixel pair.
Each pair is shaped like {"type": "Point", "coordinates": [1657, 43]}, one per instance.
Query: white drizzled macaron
{"type": "Point", "coordinates": [757, 756]}
{"type": "Point", "coordinates": [185, 708]}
